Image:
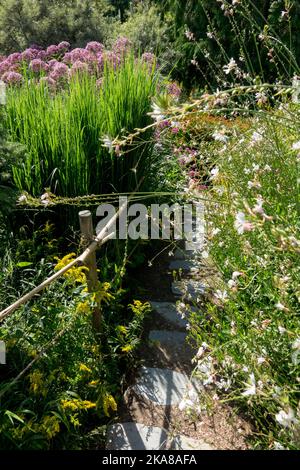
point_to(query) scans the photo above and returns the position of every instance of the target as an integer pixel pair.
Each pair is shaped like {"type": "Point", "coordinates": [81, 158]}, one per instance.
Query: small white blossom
{"type": "Point", "coordinates": [241, 224]}
{"type": "Point", "coordinates": [296, 145]}
{"type": "Point", "coordinates": [214, 173]}
{"type": "Point", "coordinates": [230, 67]}
{"type": "Point", "coordinates": [286, 418]}
{"type": "Point", "coordinates": [251, 388]}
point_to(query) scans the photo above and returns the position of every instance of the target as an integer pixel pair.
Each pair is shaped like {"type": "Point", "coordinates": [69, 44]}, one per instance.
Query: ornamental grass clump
{"type": "Point", "coordinates": [69, 107]}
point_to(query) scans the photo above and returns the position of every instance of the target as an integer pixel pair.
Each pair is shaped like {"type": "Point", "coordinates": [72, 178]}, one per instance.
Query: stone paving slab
{"type": "Point", "coordinates": [162, 386]}
{"type": "Point", "coordinates": [169, 311]}
{"type": "Point", "coordinates": [194, 246]}
{"type": "Point", "coordinates": [192, 290]}
{"type": "Point", "coordinates": [185, 265]}
{"type": "Point", "coordinates": [187, 443]}
{"type": "Point", "coordinates": [175, 338]}
{"type": "Point", "coordinates": [135, 436]}
{"type": "Point", "coordinates": [181, 254]}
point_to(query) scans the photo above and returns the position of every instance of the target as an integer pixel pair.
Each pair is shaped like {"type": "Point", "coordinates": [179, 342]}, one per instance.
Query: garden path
{"type": "Point", "coordinates": [152, 418]}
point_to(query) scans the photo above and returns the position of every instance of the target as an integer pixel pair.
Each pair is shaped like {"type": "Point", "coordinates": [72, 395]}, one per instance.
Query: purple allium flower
{"type": "Point", "coordinates": [14, 68]}
{"type": "Point", "coordinates": [175, 130]}
{"type": "Point", "coordinates": [100, 62]}
{"type": "Point", "coordinates": [58, 70]}
{"type": "Point", "coordinates": [67, 58]}
{"type": "Point", "coordinates": [42, 55]}
{"type": "Point", "coordinates": [79, 67]}
{"type": "Point", "coordinates": [52, 50]}
{"type": "Point", "coordinates": [149, 58]}
{"type": "Point", "coordinates": [95, 47]}
{"type": "Point", "coordinates": [12, 78]}
{"type": "Point", "coordinates": [29, 54]}
{"type": "Point", "coordinates": [15, 58]}
{"type": "Point", "coordinates": [37, 65]}
{"type": "Point", "coordinates": [174, 90]}
{"type": "Point", "coordinates": [80, 54]}
{"type": "Point", "coordinates": [122, 45]}
{"type": "Point", "coordinates": [4, 66]}
{"type": "Point", "coordinates": [63, 46]}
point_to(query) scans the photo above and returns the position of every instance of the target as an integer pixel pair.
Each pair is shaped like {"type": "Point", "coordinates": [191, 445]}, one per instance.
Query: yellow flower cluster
{"type": "Point", "coordinates": [50, 426]}
{"type": "Point", "coordinates": [127, 348]}
{"type": "Point", "coordinates": [102, 294]}
{"type": "Point", "coordinates": [37, 383]}
{"type": "Point", "coordinates": [76, 404]}
{"type": "Point", "coordinates": [83, 308]}
{"type": "Point", "coordinates": [140, 308]}
{"type": "Point", "coordinates": [109, 403]}
{"type": "Point", "coordinates": [76, 274]}
{"type": "Point", "coordinates": [84, 368]}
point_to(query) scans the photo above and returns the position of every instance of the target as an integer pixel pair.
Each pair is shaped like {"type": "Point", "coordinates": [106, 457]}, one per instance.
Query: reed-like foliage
{"type": "Point", "coordinates": [63, 131]}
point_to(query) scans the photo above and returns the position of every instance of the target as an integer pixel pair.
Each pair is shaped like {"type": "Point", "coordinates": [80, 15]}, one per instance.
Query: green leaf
{"type": "Point", "coordinates": [23, 264]}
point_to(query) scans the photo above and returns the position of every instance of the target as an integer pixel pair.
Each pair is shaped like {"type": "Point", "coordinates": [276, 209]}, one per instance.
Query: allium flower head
{"type": "Point", "coordinates": [95, 47]}
{"type": "Point", "coordinates": [52, 50]}
{"type": "Point", "coordinates": [63, 46]}
{"type": "Point", "coordinates": [37, 65]}
{"type": "Point", "coordinates": [122, 45]}
{"type": "Point", "coordinates": [12, 78]}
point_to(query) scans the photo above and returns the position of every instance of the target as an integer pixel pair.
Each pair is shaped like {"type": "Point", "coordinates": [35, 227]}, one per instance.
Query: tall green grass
{"type": "Point", "coordinates": [63, 132]}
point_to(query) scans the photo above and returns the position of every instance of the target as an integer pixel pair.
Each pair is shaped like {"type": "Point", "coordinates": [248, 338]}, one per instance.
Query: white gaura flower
{"type": "Point", "coordinates": [220, 137]}
{"type": "Point", "coordinates": [254, 184]}
{"type": "Point", "coordinates": [107, 142]}
{"type": "Point", "coordinates": [296, 145]}
{"type": "Point", "coordinates": [256, 137]}
{"type": "Point", "coordinates": [232, 284]}
{"type": "Point", "coordinates": [278, 446]}
{"type": "Point", "coordinates": [281, 307]}
{"type": "Point", "coordinates": [296, 344]}
{"type": "Point", "coordinates": [251, 387]}
{"type": "Point", "coordinates": [214, 173]}
{"type": "Point", "coordinates": [236, 275]}
{"type": "Point", "coordinates": [221, 295]}
{"type": "Point", "coordinates": [286, 418]}
{"type": "Point", "coordinates": [215, 232]}
{"type": "Point", "coordinates": [157, 113]}
{"type": "Point", "coordinates": [230, 67]}
{"type": "Point", "coordinates": [281, 330]}
{"type": "Point", "coordinates": [241, 224]}
{"type": "Point", "coordinates": [261, 360]}
{"type": "Point", "coordinates": [22, 198]}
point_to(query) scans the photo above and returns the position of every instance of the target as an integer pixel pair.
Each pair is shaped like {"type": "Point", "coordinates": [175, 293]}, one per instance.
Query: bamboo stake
{"type": "Point", "coordinates": [101, 239]}
{"type": "Point", "coordinates": [87, 232]}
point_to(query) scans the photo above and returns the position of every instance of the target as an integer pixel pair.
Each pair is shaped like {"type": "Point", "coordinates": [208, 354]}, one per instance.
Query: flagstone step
{"type": "Point", "coordinates": [187, 443]}
{"type": "Point", "coordinates": [184, 265]}
{"type": "Point", "coordinates": [194, 246]}
{"type": "Point", "coordinates": [163, 386]}
{"type": "Point", "coordinates": [135, 436]}
{"type": "Point", "coordinates": [170, 312]}
{"type": "Point", "coordinates": [190, 289]}
{"type": "Point", "coordinates": [176, 339]}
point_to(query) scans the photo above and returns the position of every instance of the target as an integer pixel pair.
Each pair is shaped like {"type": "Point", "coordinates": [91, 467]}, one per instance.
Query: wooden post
{"type": "Point", "coordinates": [87, 232]}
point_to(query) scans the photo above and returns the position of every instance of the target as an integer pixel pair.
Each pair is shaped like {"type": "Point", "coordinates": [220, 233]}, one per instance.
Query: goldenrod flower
{"type": "Point", "coordinates": [37, 383]}
{"type": "Point", "coordinates": [50, 426]}
{"type": "Point", "coordinates": [109, 403]}
{"type": "Point", "coordinates": [127, 348]}
{"type": "Point", "coordinates": [84, 368]}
